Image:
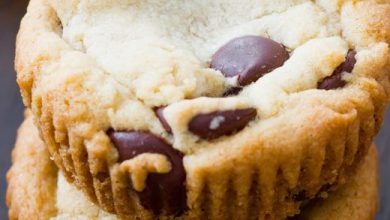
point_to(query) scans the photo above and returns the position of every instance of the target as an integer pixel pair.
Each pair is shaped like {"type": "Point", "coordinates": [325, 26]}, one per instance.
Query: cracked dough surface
{"type": "Point", "coordinates": [132, 56]}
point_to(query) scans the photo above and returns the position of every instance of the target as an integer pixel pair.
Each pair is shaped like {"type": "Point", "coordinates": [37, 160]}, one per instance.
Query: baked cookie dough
{"type": "Point", "coordinates": [264, 104]}
{"type": "Point", "coordinates": [36, 192]}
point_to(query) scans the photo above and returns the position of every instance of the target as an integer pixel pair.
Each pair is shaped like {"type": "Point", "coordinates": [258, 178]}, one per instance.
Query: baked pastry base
{"type": "Point", "coordinates": [36, 191]}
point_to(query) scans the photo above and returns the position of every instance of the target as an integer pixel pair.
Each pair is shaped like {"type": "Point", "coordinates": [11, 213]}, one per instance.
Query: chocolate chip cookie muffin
{"type": "Point", "coordinates": [37, 191]}
{"type": "Point", "coordinates": [205, 109]}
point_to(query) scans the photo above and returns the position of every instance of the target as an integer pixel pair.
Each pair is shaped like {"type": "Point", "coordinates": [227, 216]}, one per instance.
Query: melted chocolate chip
{"type": "Point", "coordinates": [217, 124]}
{"type": "Point", "coordinates": [160, 115]}
{"type": "Point", "coordinates": [249, 57]}
{"type": "Point", "coordinates": [232, 91]}
{"type": "Point", "coordinates": [349, 63]}
{"type": "Point", "coordinates": [164, 193]}
{"type": "Point", "coordinates": [335, 80]}
{"type": "Point", "coordinates": [332, 82]}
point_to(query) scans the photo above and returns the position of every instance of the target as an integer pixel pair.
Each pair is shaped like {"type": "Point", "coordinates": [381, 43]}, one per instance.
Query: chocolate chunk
{"type": "Point", "coordinates": [217, 124]}
{"type": "Point", "coordinates": [164, 193]}
{"type": "Point", "coordinates": [160, 115]}
{"type": "Point", "coordinates": [232, 91]}
{"type": "Point", "coordinates": [332, 82]}
{"type": "Point", "coordinates": [349, 63]}
{"type": "Point", "coordinates": [335, 80]}
{"type": "Point", "coordinates": [249, 57]}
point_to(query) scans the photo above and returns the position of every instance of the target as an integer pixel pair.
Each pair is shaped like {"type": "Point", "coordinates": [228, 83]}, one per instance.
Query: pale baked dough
{"type": "Point", "coordinates": [87, 66]}
{"type": "Point", "coordinates": [34, 192]}
{"type": "Point", "coordinates": [32, 179]}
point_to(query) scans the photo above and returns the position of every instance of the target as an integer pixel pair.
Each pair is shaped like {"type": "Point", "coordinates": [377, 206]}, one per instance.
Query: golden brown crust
{"type": "Point", "coordinates": [314, 140]}
{"type": "Point", "coordinates": [357, 199]}
{"type": "Point", "coordinates": [32, 179]}
{"type": "Point", "coordinates": [32, 188]}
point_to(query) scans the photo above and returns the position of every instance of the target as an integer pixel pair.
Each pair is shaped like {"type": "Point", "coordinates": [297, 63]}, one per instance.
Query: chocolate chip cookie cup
{"type": "Point", "coordinates": [205, 110]}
